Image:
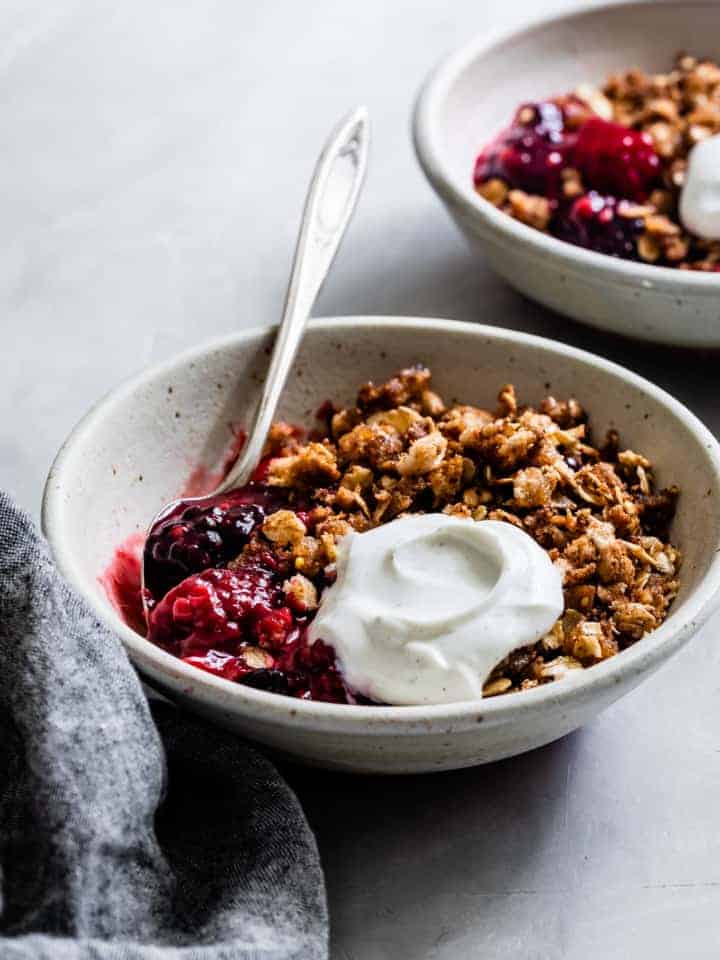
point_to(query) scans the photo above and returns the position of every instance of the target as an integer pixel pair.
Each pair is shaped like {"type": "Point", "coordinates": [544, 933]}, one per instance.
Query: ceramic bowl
{"type": "Point", "coordinates": [134, 450]}
{"type": "Point", "coordinates": [474, 93]}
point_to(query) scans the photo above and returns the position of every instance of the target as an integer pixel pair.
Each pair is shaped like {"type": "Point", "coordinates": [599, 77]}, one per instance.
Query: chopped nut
{"type": "Point", "coordinates": [533, 210]}
{"type": "Point", "coordinates": [423, 456]}
{"type": "Point", "coordinates": [587, 641]}
{"type": "Point", "coordinates": [357, 477]}
{"type": "Point", "coordinates": [256, 658]}
{"type": "Point", "coordinates": [432, 404]}
{"type": "Point", "coordinates": [315, 463]}
{"type": "Point", "coordinates": [661, 226]}
{"type": "Point", "coordinates": [284, 527]}
{"type": "Point", "coordinates": [534, 486]}
{"type": "Point", "coordinates": [494, 687]}
{"type": "Point", "coordinates": [495, 191]}
{"type": "Point", "coordinates": [634, 619]}
{"type": "Point", "coordinates": [595, 99]}
{"type": "Point", "coordinates": [399, 419]}
{"type": "Point", "coordinates": [310, 556]}
{"type": "Point", "coordinates": [559, 667]}
{"type": "Point", "coordinates": [649, 248]}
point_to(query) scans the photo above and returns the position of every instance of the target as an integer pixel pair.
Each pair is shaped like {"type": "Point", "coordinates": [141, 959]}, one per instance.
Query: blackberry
{"type": "Point", "coordinates": [194, 538]}
{"type": "Point", "coordinates": [593, 221]}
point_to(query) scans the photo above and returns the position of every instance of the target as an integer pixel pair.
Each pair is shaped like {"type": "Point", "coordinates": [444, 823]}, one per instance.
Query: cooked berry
{"type": "Point", "coordinates": [595, 222]}
{"type": "Point", "coordinates": [194, 537]}
{"type": "Point", "coordinates": [532, 153]}
{"type": "Point", "coordinates": [217, 609]}
{"type": "Point", "coordinates": [313, 672]}
{"type": "Point", "coordinates": [273, 629]}
{"type": "Point", "coordinates": [614, 159]}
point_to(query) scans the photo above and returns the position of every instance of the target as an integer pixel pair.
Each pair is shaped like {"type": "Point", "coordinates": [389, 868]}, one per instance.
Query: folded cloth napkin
{"type": "Point", "coordinates": [122, 838]}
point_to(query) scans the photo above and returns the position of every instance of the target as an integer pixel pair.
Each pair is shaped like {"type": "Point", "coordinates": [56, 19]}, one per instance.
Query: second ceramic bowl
{"type": "Point", "coordinates": [134, 450]}
{"type": "Point", "coordinates": [474, 93]}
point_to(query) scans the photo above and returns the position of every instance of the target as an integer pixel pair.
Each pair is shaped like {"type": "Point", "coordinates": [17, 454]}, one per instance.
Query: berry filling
{"type": "Point", "coordinates": [193, 538]}
{"type": "Point", "coordinates": [616, 160]}
{"type": "Point", "coordinates": [552, 146]}
{"type": "Point", "coordinates": [221, 609]}
{"type": "Point", "coordinates": [532, 153]}
{"type": "Point", "coordinates": [598, 223]}
{"type": "Point", "coordinates": [215, 596]}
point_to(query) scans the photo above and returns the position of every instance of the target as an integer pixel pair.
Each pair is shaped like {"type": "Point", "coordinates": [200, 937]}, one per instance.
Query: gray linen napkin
{"type": "Point", "coordinates": [122, 838]}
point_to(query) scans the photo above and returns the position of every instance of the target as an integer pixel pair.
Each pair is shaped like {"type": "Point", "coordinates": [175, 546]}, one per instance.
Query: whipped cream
{"type": "Point", "coordinates": [424, 607]}
{"type": "Point", "coordinates": [700, 196]}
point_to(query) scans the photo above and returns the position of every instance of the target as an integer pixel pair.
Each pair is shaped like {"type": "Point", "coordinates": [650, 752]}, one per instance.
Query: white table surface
{"type": "Point", "coordinates": [154, 158]}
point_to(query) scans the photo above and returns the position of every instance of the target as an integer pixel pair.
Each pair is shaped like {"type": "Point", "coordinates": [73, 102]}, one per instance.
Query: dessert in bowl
{"type": "Point", "coordinates": [407, 550]}
{"type": "Point", "coordinates": [135, 450]}
{"type": "Point", "coordinates": [595, 184]}
{"type": "Point", "coordinates": [629, 168]}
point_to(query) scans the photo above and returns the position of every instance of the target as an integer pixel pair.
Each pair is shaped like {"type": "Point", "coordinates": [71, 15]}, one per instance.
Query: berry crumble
{"type": "Point", "coordinates": [233, 585]}
{"type": "Point", "coordinates": [603, 168]}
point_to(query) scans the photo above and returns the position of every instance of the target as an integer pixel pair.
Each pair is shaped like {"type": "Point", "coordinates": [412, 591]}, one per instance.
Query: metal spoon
{"type": "Point", "coordinates": [330, 202]}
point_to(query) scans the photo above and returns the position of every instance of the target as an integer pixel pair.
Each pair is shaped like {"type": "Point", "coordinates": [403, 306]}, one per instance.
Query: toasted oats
{"type": "Point", "coordinates": [572, 185]}
{"type": "Point", "coordinates": [649, 248]}
{"type": "Point", "coordinates": [424, 455]}
{"type": "Point", "coordinates": [313, 463]}
{"type": "Point", "coordinates": [357, 477]}
{"type": "Point", "coordinates": [432, 403]}
{"type": "Point", "coordinates": [494, 687]}
{"type": "Point", "coordinates": [495, 191]}
{"type": "Point", "coordinates": [661, 226]}
{"type": "Point", "coordinates": [559, 667]}
{"type": "Point", "coordinates": [533, 210]}
{"type": "Point", "coordinates": [256, 658]}
{"type": "Point", "coordinates": [595, 99]}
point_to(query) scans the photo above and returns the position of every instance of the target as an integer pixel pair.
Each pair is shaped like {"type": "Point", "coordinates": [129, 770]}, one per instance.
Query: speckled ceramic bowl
{"type": "Point", "coordinates": [474, 93]}
{"type": "Point", "coordinates": [133, 451]}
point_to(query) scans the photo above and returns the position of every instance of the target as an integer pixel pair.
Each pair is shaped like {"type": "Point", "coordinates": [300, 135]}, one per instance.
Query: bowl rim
{"type": "Point", "coordinates": [638, 659]}
{"type": "Point", "coordinates": [430, 154]}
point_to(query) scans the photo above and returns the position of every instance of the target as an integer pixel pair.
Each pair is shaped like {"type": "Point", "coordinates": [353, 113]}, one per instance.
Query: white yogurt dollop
{"type": "Point", "coordinates": [700, 195]}
{"type": "Point", "coordinates": [424, 607]}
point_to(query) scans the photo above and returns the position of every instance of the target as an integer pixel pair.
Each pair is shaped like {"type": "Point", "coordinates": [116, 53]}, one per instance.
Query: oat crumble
{"type": "Point", "coordinates": [402, 449]}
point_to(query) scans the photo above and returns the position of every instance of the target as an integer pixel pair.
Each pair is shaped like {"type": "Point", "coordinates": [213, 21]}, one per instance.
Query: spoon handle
{"type": "Point", "coordinates": [329, 205]}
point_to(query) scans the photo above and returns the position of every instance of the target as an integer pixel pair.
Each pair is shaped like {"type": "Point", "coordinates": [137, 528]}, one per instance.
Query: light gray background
{"type": "Point", "coordinates": [153, 159]}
